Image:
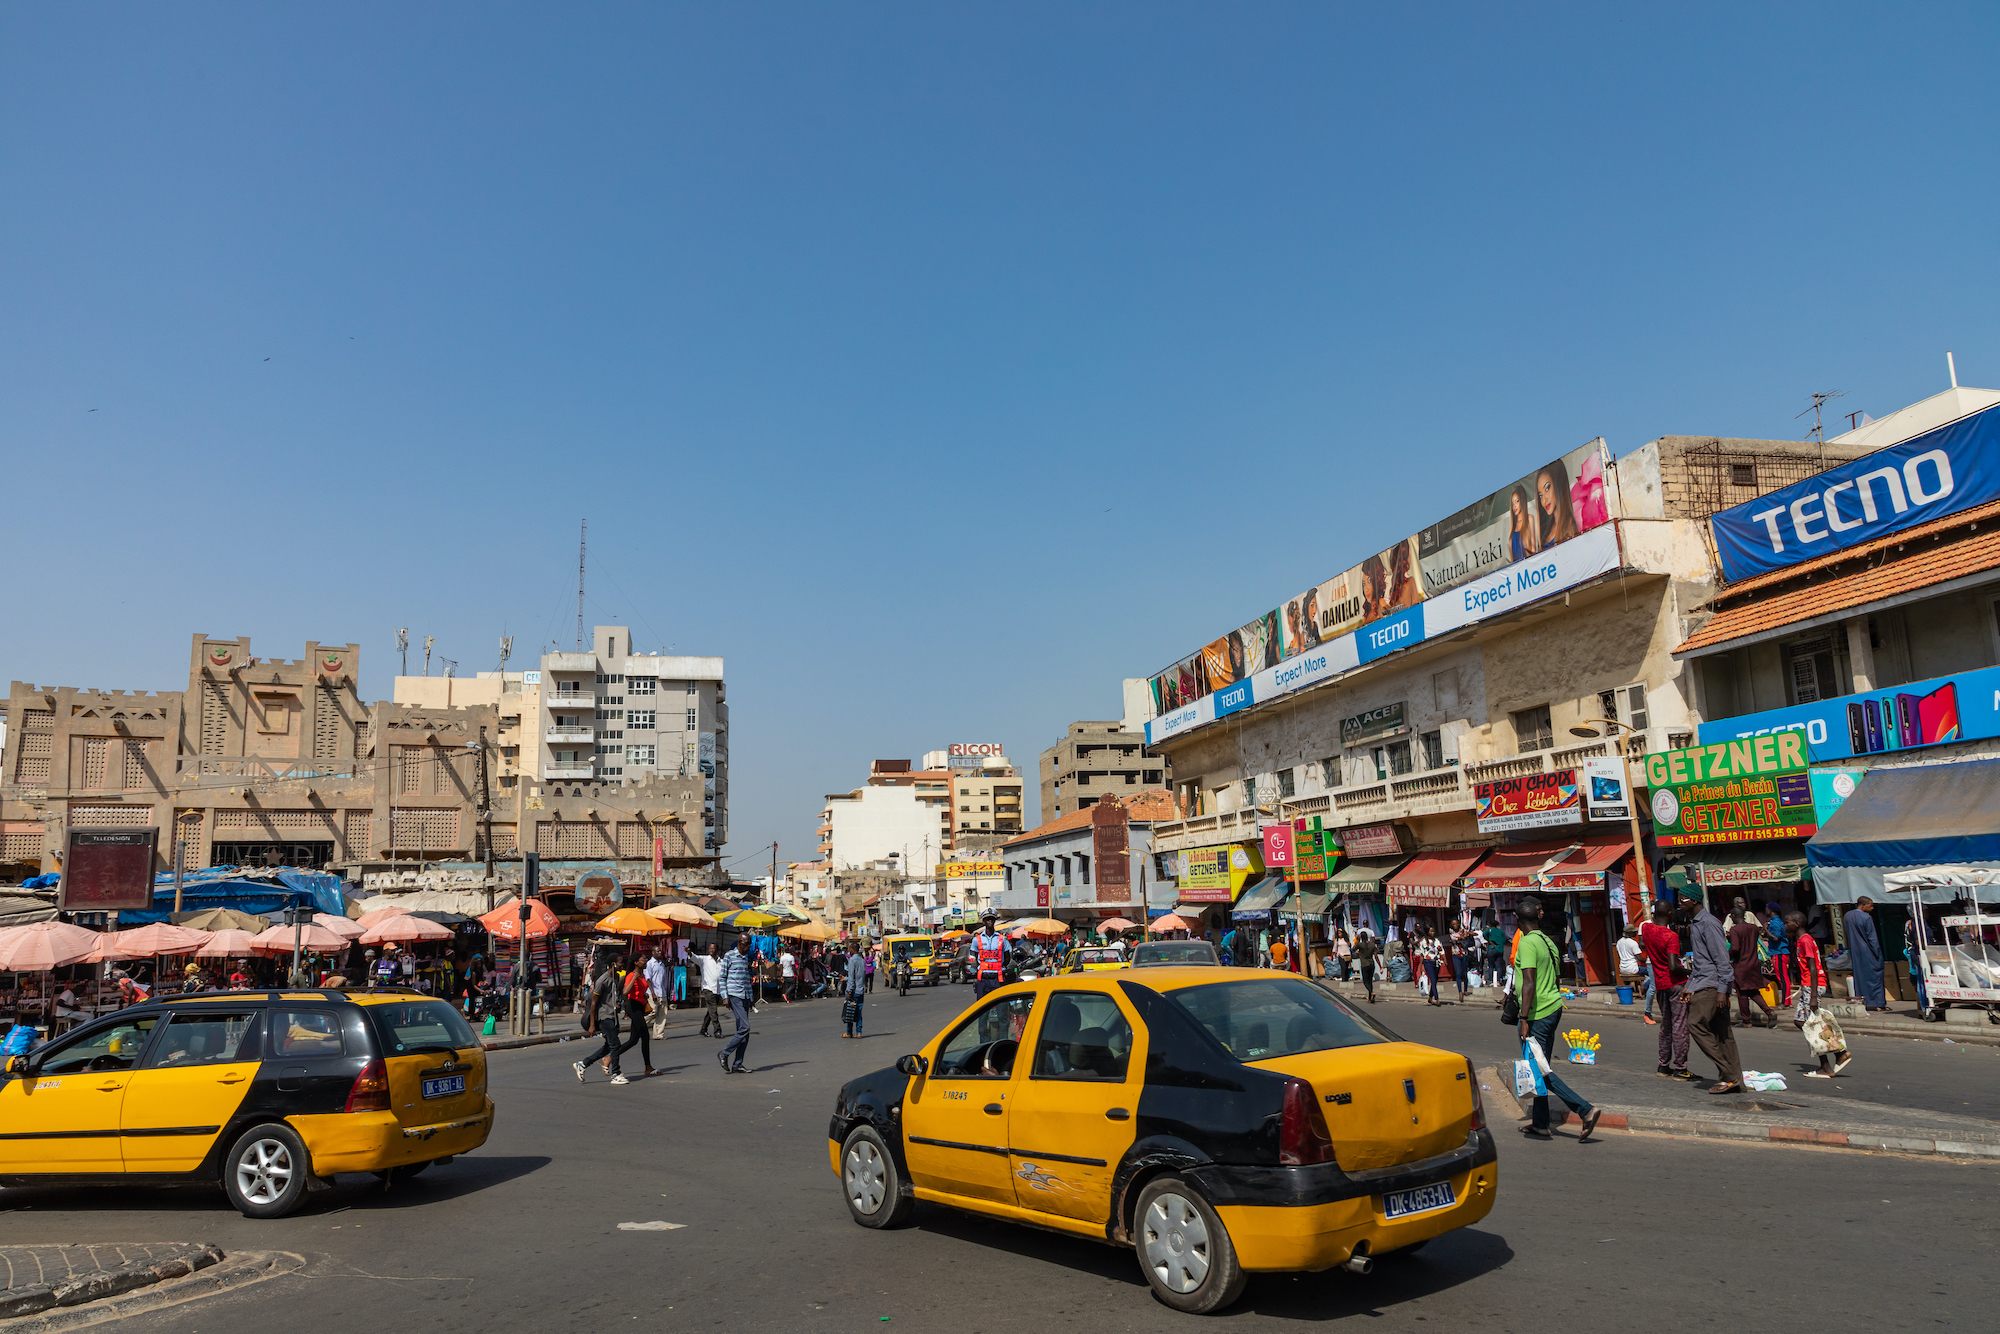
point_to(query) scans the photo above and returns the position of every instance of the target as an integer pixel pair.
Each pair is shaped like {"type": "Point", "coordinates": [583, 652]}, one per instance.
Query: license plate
{"type": "Point", "coordinates": [1419, 1201]}
{"type": "Point", "coordinates": [445, 1087]}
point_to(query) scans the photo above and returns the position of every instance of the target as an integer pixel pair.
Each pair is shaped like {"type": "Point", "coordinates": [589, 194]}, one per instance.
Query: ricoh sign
{"type": "Point", "coordinates": [1940, 472]}
{"type": "Point", "coordinates": [974, 754]}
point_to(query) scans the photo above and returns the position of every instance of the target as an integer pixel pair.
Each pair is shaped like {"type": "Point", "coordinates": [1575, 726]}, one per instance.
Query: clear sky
{"type": "Point", "coordinates": [940, 365]}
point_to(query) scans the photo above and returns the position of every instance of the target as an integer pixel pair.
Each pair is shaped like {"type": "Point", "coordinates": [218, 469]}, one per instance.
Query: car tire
{"type": "Point", "coordinates": [1183, 1248]}
{"type": "Point", "coordinates": [265, 1171]}
{"type": "Point", "coordinates": [870, 1181]}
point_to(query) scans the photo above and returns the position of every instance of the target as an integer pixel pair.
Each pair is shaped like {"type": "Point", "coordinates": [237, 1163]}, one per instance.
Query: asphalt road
{"type": "Point", "coordinates": [1639, 1231]}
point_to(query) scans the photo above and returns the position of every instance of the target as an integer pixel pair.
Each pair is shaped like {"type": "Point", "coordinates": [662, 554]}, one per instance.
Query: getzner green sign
{"type": "Point", "coordinates": [1732, 792]}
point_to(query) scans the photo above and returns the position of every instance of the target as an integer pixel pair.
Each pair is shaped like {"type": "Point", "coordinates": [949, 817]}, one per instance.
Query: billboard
{"type": "Point", "coordinates": [1380, 605]}
{"type": "Point", "coordinates": [1531, 801]}
{"type": "Point", "coordinates": [1961, 707]}
{"type": "Point", "coordinates": [969, 870]}
{"type": "Point", "coordinates": [107, 870]}
{"type": "Point", "coordinates": [1732, 792]}
{"type": "Point", "coordinates": [1213, 875]}
{"type": "Point", "coordinates": [1937, 473]}
{"type": "Point", "coordinates": [1604, 794]}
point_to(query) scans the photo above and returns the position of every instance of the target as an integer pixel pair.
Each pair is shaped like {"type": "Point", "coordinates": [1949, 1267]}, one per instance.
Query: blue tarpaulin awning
{"type": "Point", "coordinates": [257, 892]}
{"type": "Point", "coordinates": [1903, 818]}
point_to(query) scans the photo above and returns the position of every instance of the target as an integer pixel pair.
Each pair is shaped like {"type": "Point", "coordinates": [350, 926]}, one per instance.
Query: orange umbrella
{"type": "Point", "coordinates": [1171, 922]}
{"type": "Point", "coordinates": [633, 922]}
{"type": "Point", "coordinates": [43, 946]}
{"type": "Point", "coordinates": [1045, 927]}
{"type": "Point", "coordinates": [226, 945]}
{"type": "Point", "coordinates": [949, 935]}
{"type": "Point", "coordinates": [809, 931]}
{"type": "Point", "coordinates": [403, 929]}
{"type": "Point", "coordinates": [504, 922]}
{"type": "Point", "coordinates": [312, 937]}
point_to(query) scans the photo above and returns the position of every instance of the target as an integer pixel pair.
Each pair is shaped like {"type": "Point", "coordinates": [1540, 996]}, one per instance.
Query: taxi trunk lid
{"type": "Point", "coordinates": [1388, 1103]}
{"type": "Point", "coordinates": [463, 1071]}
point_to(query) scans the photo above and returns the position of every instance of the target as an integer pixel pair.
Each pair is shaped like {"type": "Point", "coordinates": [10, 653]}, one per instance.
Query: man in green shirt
{"type": "Point", "coordinates": [1535, 979]}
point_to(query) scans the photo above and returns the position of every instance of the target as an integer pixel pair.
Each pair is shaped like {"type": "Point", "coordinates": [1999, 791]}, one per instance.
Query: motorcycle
{"type": "Point", "coordinates": [901, 978]}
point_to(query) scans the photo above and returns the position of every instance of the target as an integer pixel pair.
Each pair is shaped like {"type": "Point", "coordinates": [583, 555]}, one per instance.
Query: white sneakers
{"type": "Point", "coordinates": [580, 1067]}
{"type": "Point", "coordinates": [620, 1079]}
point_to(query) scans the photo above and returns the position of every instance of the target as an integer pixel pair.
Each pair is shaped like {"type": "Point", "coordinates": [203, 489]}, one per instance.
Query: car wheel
{"type": "Point", "coordinates": [870, 1181]}
{"type": "Point", "coordinates": [1184, 1249]}
{"type": "Point", "coordinates": [265, 1173]}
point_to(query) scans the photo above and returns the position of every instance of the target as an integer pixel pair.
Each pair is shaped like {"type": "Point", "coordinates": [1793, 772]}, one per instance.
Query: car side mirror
{"type": "Point", "coordinates": [17, 1065]}
{"type": "Point", "coordinates": [915, 1066]}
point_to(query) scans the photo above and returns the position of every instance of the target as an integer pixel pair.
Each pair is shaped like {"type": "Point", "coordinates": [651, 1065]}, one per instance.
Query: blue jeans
{"type": "Point", "coordinates": [739, 1046]}
{"type": "Point", "coordinates": [854, 1029]}
{"type": "Point", "coordinates": [1543, 1033]}
{"type": "Point", "coordinates": [1652, 989]}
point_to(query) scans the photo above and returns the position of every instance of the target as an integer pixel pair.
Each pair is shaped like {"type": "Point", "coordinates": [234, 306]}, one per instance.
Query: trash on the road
{"type": "Point", "coordinates": [655, 1226]}
{"type": "Point", "coordinates": [1764, 1083]}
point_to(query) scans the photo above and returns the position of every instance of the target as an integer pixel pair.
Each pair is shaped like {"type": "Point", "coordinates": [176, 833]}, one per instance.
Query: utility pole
{"type": "Point", "coordinates": [486, 813]}
{"type": "Point", "coordinates": [582, 548]}
{"type": "Point", "coordinates": [403, 647]}
{"type": "Point", "coordinates": [428, 641]}
{"type": "Point", "coordinates": [774, 870]}
{"type": "Point", "coordinates": [1816, 435]}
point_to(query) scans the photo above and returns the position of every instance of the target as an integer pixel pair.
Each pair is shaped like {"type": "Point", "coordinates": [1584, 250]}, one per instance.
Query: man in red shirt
{"type": "Point", "coordinates": [1662, 945]}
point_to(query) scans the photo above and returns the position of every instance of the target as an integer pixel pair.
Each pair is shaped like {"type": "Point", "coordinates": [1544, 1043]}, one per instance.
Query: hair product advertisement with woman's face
{"type": "Point", "coordinates": [1563, 499]}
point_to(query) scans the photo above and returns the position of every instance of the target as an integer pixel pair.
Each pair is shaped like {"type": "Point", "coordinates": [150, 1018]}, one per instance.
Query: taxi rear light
{"type": "Point", "coordinates": [1478, 1103]}
{"type": "Point", "coordinates": [1302, 1136]}
{"type": "Point", "coordinates": [371, 1089]}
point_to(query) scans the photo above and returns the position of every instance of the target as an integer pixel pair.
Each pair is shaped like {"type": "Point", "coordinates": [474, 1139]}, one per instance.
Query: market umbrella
{"type": "Point", "coordinates": [226, 945]}
{"type": "Point", "coordinates": [1111, 924]}
{"type": "Point", "coordinates": [110, 949]}
{"type": "Point", "coordinates": [633, 922]}
{"type": "Point", "coordinates": [222, 919]}
{"type": "Point", "coordinates": [954, 935]}
{"type": "Point", "coordinates": [785, 911]}
{"type": "Point", "coordinates": [747, 917]}
{"type": "Point", "coordinates": [344, 927]}
{"type": "Point", "coordinates": [403, 929]}
{"type": "Point", "coordinates": [160, 938]}
{"type": "Point", "coordinates": [376, 915]}
{"type": "Point", "coordinates": [504, 922]}
{"type": "Point", "coordinates": [1045, 928]}
{"type": "Point", "coordinates": [810, 931]}
{"type": "Point", "coordinates": [681, 912]}
{"type": "Point", "coordinates": [1171, 922]}
{"type": "Point", "coordinates": [42, 947]}
{"type": "Point", "coordinates": [312, 938]}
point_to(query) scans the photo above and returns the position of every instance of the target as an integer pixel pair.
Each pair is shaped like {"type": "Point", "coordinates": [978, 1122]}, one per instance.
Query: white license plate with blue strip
{"type": "Point", "coordinates": [1422, 1200]}
{"type": "Point", "coordinates": [445, 1087]}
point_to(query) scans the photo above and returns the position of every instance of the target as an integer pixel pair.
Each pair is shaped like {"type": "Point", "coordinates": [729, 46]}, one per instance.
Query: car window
{"type": "Point", "coordinates": [300, 1033]}
{"type": "Point", "coordinates": [1173, 951]}
{"type": "Point", "coordinates": [428, 1025]}
{"type": "Point", "coordinates": [114, 1048]}
{"type": "Point", "coordinates": [209, 1037]}
{"type": "Point", "coordinates": [1264, 1019]}
{"type": "Point", "coordinates": [983, 1046]}
{"type": "Point", "coordinates": [1084, 1036]}
{"type": "Point", "coordinates": [1106, 955]}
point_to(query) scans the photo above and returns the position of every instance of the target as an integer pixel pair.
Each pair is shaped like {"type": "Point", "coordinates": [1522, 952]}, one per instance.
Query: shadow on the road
{"type": "Point", "coordinates": [463, 1176]}
{"type": "Point", "coordinates": [1455, 1258]}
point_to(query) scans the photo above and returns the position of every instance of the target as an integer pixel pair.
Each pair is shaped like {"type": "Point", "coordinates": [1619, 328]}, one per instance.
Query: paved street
{"type": "Point", "coordinates": [524, 1235]}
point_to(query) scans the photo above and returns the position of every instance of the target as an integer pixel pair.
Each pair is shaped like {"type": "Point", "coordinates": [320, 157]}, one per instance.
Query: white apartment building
{"type": "Point", "coordinates": [616, 715]}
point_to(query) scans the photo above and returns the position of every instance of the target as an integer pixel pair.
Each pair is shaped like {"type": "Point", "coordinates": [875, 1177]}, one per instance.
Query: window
{"type": "Point", "coordinates": [1249, 792]}
{"type": "Point", "coordinates": [1813, 670]}
{"type": "Point", "coordinates": [1261, 1021]}
{"type": "Point", "coordinates": [982, 808]}
{"type": "Point", "coordinates": [421, 1026]}
{"type": "Point", "coordinates": [642, 754]}
{"type": "Point", "coordinates": [1083, 863]}
{"type": "Point", "coordinates": [983, 1046]}
{"type": "Point", "coordinates": [305, 1033]}
{"type": "Point", "coordinates": [641, 685]}
{"type": "Point", "coordinates": [641, 720]}
{"type": "Point", "coordinates": [611, 750]}
{"type": "Point", "coordinates": [210, 1037]}
{"type": "Point", "coordinates": [1084, 1036]}
{"type": "Point", "coordinates": [1433, 744]}
{"type": "Point", "coordinates": [965, 808]}
{"type": "Point", "coordinates": [691, 688]}
{"type": "Point", "coordinates": [1286, 785]}
{"type": "Point", "coordinates": [1743, 474]}
{"type": "Point", "coordinates": [113, 1048]}
{"type": "Point", "coordinates": [1532, 729]}
{"type": "Point", "coordinates": [1392, 760]}
{"type": "Point", "coordinates": [510, 752]}
{"type": "Point", "coordinates": [1635, 707]}
{"type": "Point", "coordinates": [1152, 775]}
{"type": "Point", "coordinates": [690, 722]}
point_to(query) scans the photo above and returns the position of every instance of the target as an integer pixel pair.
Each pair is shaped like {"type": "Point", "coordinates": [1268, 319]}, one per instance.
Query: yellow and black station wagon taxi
{"type": "Point", "coordinates": [269, 1093]}
{"type": "Point", "coordinates": [1218, 1121]}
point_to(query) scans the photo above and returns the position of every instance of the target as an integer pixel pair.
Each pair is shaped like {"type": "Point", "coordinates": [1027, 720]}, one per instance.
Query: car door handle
{"type": "Point", "coordinates": [111, 1087]}
{"type": "Point", "coordinates": [231, 1078]}
{"type": "Point", "coordinates": [994, 1109]}
{"type": "Point", "coordinates": [1118, 1114]}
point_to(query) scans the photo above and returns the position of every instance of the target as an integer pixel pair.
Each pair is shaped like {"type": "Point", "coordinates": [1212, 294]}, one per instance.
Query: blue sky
{"type": "Point", "coordinates": [938, 365]}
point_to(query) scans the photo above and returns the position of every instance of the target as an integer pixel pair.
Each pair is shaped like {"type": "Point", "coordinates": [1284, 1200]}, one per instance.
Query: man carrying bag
{"type": "Point", "coordinates": [1537, 1008]}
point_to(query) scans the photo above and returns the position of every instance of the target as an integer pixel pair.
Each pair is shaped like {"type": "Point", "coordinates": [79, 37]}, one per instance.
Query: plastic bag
{"type": "Point", "coordinates": [1823, 1034]}
{"type": "Point", "coordinates": [20, 1041]}
{"type": "Point", "coordinates": [1472, 980]}
{"type": "Point", "coordinates": [1763, 1082]}
{"type": "Point", "coordinates": [1524, 1079]}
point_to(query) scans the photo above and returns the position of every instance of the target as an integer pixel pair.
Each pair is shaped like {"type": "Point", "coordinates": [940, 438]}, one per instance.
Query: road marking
{"type": "Point", "coordinates": [655, 1226]}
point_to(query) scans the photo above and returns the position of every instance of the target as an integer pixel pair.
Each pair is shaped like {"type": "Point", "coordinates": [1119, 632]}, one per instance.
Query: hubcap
{"type": "Point", "coordinates": [263, 1171]}
{"type": "Point", "coordinates": [1174, 1241]}
{"type": "Point", "coordinates": [867, 1182]}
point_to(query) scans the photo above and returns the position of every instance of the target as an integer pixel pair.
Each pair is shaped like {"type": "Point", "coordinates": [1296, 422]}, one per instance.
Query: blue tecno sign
{"type": "Point", "coordinates": [1940, 472]}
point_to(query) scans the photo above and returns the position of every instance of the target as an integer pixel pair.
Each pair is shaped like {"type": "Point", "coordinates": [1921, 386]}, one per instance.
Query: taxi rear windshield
{"type": "Point", "coordinates": [1267, 1018]}
{"type": "Point", "coordinates": [410, 1027]}
{"type": "Point", "coordinates": [1106, 955]}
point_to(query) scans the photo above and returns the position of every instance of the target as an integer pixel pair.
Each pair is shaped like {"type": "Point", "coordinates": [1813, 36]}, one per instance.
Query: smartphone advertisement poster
{"type": "Point", "coordinates": [1962, 707]}
{"type": "Point", "coordinates": [1738, 791]}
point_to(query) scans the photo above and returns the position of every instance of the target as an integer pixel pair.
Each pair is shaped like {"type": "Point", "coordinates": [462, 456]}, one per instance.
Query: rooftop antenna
{"type": "Point", "coordinates": [403, 647]}
{"type": "Point", "coordinates": [506, 652]}
{"type": "Point", "coordinates": [582, 546]}
{"type": "Point", "coordinates": [1816, 435]}
{"type": "Point", "coordinates": [428, 641]}
{"type": "Point", "coordinates": [1952, 367]}
{"type": "Point", "coordinates": [450, 664]}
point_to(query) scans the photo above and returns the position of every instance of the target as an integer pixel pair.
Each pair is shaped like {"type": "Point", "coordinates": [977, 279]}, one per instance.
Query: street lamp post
{"type": "Point", "coordinates": [1639, 861]}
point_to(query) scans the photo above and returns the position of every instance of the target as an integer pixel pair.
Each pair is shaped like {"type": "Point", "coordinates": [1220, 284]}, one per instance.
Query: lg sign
{"type": "Point", "coordinates": [976, 748]}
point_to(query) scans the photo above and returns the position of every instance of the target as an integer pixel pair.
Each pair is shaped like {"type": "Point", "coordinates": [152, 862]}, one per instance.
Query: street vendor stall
{"type": "Point", "coordinates": [1960, 965]}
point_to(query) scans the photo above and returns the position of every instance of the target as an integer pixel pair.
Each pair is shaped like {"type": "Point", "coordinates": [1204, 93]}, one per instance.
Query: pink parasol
{"type": "Point", "coordinates": [227, 945]}
{"type": "Point", "coordinates": [111, 948]}
{"type": "Point", "coordinates": [42, 947]}
{"type": "Point", "coordinates": [344, 927]}
{"type": "Point", "coordinates": [313, 939]}
{"type": "Point", "coordinates": [374, 915]}
{"type": "Point", "coordinates": [160, 938]}
{"type": "Point", "coordinates": [402, 929]}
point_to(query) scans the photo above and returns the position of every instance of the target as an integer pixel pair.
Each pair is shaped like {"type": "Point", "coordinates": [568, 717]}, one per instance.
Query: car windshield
{"type": "Point", "coordinates": [910, 949]}
{"type": "Point", "coordinates": [1173, 951]}
{"type": "Point", "coordinates": [421, 1025]}
{"type": "Point", "coordinates": [1266, 1018]}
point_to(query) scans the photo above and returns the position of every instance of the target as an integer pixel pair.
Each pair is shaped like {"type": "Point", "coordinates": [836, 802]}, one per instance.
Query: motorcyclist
{"type": "Point", "coordinates": [989, 955]}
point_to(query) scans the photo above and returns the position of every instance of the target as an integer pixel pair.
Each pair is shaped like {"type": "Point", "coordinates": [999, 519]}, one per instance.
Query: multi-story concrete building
{"type": "Point", "coordinates": [615, 715]}
{"type": "Point", "coordinates": [1090, 863]}
{"type": "Point", "coordinates": [879, 825]}
{"type": "Point", "coordinates": [932, 787]}
{"type": "Point", "coordinates": [1095, 760]}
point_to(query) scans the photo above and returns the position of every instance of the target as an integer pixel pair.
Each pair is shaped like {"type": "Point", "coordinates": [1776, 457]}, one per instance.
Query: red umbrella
{"type": "Point", "coordinates": [504, 922]}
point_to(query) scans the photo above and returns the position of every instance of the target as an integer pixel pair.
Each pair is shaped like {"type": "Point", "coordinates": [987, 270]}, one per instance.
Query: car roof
{"type": "Point", "coordinates": [379, 996]}
{"type": "Point", "coordinates": [1158, 977]}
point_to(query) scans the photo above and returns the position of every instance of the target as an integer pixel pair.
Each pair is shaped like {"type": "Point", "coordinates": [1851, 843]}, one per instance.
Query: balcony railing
{"type": "Point", "coordinates": [566, 701]}
{"type": "Point", "coordinates": [571, 734]}
{"type": "Point", "coordinates": [568, 771]}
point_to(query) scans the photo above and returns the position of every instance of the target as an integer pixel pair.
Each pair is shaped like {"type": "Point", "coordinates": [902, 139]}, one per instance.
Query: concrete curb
{"type": "Point", "coordinates": [239, 1270]}
{"type": "Point", "coordinates": [1827, 1135]}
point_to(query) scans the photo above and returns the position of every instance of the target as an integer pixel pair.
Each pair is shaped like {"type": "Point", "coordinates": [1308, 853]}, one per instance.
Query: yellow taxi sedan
{"type": "Point", "coordinates": [269, 1094]}
{"type": "Point", "coordinates": [1219, 1122]}
{"type": "Point", "coordinates": [1093, 959]}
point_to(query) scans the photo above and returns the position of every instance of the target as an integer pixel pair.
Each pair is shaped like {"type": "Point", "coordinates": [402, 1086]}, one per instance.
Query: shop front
{"type": "Point", "coordinates": [1420, 892]}
{"type": "Point", "coordinates": [1758, 873]}
{"type": "Point", "coordinates": [1359, 893]}
{"type": "Point", "coordinates": [1211, 879]}
{"type": "Point", "coordinates": [1582, 891]}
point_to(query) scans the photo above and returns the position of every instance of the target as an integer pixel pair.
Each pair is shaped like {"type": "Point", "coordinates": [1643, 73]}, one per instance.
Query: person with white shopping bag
{"type": "Point", "coordinates": [1823, 1035]}
{"type": "Point", "coordinates": [1535, 973]}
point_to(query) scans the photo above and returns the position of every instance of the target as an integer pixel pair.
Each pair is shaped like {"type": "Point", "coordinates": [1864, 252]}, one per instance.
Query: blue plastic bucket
{"type": "Point", "coordinates": [1624, 995]}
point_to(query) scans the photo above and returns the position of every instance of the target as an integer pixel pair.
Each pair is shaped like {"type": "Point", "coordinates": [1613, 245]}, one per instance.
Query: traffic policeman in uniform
{"type": "Point", "coordinates": [989, 955]}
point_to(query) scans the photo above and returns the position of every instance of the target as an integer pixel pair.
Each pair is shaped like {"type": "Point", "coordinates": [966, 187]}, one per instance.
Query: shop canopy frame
{"type": "Point", "coordinates": [1426, 880]}
{"type": "Point", "coordinates": [1557, 866]}
{"type": "Point", "coordinates": [1731, 866]}
{"type": "Point", "coordinates": [1259, 899]}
